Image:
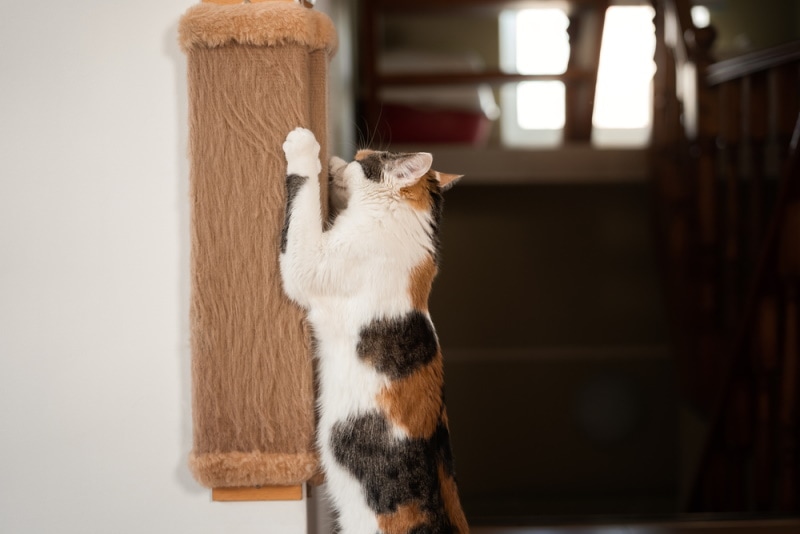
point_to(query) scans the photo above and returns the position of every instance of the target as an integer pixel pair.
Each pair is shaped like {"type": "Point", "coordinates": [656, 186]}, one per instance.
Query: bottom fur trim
{"type": "Point", "coordinates": [247, 469]}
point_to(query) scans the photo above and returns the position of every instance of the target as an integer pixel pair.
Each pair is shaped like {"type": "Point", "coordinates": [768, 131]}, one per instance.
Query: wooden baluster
{"type": "Point", "coordinates": [764, 353]}
{"type": "Point", "coordinates": [574, 105]}
{"type": "Point", "coordinates": [756, 115]}
{"type": "Point", "coordinates": [713, 483]}
{"type": "Point", "coordinates": [789, 269]}
{"type": "Point", "coordinates": [738, 438]}
{"type": "Point", "coordinates": [786, 112]}
{"type": "Point", "coordinates": [664, 147]}
{"type": "Point", "coordinates": [787, 437]}
{"type": "Point", "coordinates": [706, 208]}
{"type": "Point", "coordinates": [659, 83]}
{"type": "Point", "coordinates": [672, 181]}
{"type": "Point", "coordinates": [585, 36]}
{"type": "Point", "coordinates": [730, 134]}
{"type": "Point", "coordinates": [736, 423]}
{"type": "Point", "coordinates": [763, 348]}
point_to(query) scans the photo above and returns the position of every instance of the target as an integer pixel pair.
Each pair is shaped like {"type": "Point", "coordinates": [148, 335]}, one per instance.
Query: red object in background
{"type": "Point", "coordinates": [407, 124]}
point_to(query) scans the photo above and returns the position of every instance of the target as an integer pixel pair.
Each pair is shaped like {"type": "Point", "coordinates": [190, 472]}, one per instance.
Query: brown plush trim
{"type": "Point", "coordinates": [237, 469]}
{"type": "Point", "coordinates": [261, 24]}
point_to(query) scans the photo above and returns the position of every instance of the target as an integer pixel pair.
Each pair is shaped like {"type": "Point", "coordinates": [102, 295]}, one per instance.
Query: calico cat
{"type": "Point", "coordinates": [364, 282]}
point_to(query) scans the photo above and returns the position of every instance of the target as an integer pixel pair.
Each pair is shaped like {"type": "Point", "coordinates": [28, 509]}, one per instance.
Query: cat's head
{"type": "Point", "coordinates": [403, 176]}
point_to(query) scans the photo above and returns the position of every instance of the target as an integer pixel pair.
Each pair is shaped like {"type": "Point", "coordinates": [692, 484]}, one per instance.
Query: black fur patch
{"type": "Point", "coordinates": [397, 347]}
{"type": "Point", "coordinates": [395, 472]}
{"type": "Point", "coordinates": [373, 166]}
{"type": "Point", "coordinates": [293, 184]}
{"type": "Point", "coordinates": [437, 208]}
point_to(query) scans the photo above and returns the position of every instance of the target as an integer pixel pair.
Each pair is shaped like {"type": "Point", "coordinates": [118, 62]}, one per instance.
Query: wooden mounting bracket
{"type": "Point", "coordinates": [306, 3]}
{"type": "Point", "coordinates": [261, 493]}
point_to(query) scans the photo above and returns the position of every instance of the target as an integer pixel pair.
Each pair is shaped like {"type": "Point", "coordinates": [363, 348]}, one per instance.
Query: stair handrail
{"type": "Point", "coordinates": [752, 63]}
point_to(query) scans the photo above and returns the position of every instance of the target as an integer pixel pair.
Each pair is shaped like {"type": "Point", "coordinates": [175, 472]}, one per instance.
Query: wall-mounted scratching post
{"type": "Point", "coordinates": [256, 71]}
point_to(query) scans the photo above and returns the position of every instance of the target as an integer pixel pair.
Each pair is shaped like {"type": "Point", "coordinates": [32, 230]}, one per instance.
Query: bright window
{"type": "Point", "coordinates": [624, 97]}
{"type": "Point", "coordinates": [535, 41]}
{"type": "Point", "coordinates": [541, 41]}
{"type": "Point", "coordinates": [701, 16]}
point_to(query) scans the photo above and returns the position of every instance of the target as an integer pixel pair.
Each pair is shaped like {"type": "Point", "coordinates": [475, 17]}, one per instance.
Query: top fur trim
{"type": "Point", "coordinates": [261, 24]}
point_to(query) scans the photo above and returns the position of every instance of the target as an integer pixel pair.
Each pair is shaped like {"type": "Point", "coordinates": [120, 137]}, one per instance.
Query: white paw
{"type": "Point", "coordinates": [336, 165]}
{"type": "Point", "coordinates": [302, 153]}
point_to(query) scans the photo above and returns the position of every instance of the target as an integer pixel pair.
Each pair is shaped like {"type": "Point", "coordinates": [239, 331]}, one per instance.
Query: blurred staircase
{"type": "Point", "coordinates": [726, 175]}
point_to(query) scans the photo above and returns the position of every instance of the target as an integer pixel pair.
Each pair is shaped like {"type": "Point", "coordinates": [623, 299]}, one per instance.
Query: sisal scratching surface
{"type": "Point", "coordinates": [253, 390]}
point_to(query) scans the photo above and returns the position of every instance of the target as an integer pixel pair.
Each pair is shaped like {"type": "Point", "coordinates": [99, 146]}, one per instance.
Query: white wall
{"type": "Point", "coordinates": [94, 261]}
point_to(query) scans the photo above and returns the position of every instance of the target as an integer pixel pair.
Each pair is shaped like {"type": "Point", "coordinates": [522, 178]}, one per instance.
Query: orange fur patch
{"type": "Point", "coordinates": [418, 195]}
{"type": "Point", "coordinates": [452, 504]}
{"type": "Point", "coordinates": [414, 403]}
{"type": "Point", "coordinates": [419, 287]}
{"type": "Point", "coordinates": [445, 180]}
{"type": "Point", "coordinates": [407, 517]}
{"type": "Point", "coordinates": [363, 153]}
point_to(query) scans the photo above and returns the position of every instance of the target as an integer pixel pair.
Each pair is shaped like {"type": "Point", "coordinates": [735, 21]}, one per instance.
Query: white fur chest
{"type": "Point", "coordinates": [367, 277]}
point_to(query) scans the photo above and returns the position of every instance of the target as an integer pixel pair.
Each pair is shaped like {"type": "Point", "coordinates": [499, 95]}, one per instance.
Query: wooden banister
{"type": "Point", "coordinates": [472, 78]}
{"type": "Point", "coordinates": [752, 63]}
{"type": "Point", "coordinates": [759, 323]}
{"type": "Point", "coordinates": [446, 5]}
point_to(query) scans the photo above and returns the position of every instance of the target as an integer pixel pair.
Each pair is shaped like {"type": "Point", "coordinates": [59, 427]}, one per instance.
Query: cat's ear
{"type": "Point", "coordinates": [446, 181]}
{"type": "Point", "coordinates": [408, 169]}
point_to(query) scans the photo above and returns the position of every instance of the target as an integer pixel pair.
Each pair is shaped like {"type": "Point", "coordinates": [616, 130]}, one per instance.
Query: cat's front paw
{"type": "Point", "coordinates": [336, 166]}
{"type": "Point", "coordinates": [338, 192]}
{"type": "Point", "coordinates": [302, 153]}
